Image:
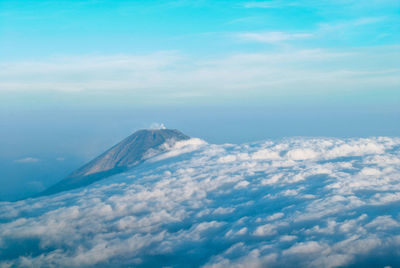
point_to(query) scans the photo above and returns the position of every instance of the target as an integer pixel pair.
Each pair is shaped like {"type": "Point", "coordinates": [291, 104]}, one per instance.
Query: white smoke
{"type": "Point", "coordinates": [157, 126]}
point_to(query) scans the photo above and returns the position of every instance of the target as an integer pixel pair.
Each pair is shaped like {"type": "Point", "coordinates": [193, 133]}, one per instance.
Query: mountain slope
{"type": "Point", "coordinates": [130, 152]}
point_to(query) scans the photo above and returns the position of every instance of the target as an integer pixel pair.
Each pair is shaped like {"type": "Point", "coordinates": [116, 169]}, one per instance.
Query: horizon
{"type": "Point", "coordinates": [294, 99]}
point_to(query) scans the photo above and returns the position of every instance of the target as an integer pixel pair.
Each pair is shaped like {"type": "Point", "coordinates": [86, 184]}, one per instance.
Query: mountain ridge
{"type": "Point", "coordinates": [130, 152]}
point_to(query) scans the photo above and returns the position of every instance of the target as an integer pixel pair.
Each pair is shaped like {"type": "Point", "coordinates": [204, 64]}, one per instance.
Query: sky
{"type": "Point", "coordinates": [78, 76]}
{"type": "Point", "coordinates": [198, 52]}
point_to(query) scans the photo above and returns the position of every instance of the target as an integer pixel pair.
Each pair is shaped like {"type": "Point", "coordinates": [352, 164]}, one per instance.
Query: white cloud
{"type": "Point", "coordinates": [342, 27]}
{"type": "Point", "coordinates": [272, 37]}
{"type": "Point", "coordinates": [326, 6]}
{"type": "Point", "coordinates": [301, 154]}
{"type": "Point", "coordinates": [28, 160]}
{"type": "Point", "coordinates": [169, 76]}
{"type": "Point", "coordinates": [383, 223]}
{"type": "Point", "coordinates": [304, 248]}
{"type": "Point", "coordinates": [275, 216]}
{"type": "Point", "coordinates": [157, 126]}
{"type": "Point", "coordinates": [227, 159]}
{"type": "Point", "coordinates": [265, 230]}
{"type": "Point", "coordinates": [317, 211]}
{"type": "Point", "coordinates": [370, 172]}
{"type": "Point", "coordinates": [265, 154]}
{"type": "Point", "coordinates": [242, 184]}
{"type": "Point", "coordinates": [272, 4]}
{"type": "Point", "coordinates": [362, 147]}
{"type": "Point", "coordinates": [288, 237]}
{"type": "Point", "coordinates": [179, 147]}
{"type": "Point", "coordinates": [260, 4]}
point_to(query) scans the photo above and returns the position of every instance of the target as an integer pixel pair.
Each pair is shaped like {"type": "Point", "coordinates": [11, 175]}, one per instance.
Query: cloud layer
{"type": "Point", "coordinates": [293, 203]}
{"type": "Point", "coordinates": [171, 76]}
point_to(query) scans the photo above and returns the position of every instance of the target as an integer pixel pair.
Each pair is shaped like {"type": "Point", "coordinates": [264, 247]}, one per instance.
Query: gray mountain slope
{"type": "Point", "coordinates": [130, 152]}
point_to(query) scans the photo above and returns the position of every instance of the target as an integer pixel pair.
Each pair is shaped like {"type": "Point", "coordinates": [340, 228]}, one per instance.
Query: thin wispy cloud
{"type": "Point", "coordinates": [183, 77]}
{"type": "Point", "coordinates": [27, 160]}
{"type": "Point", "coordinates": [320, 33]}
{"type": "Point", "coordinates": [272, 37]}
{"type": "Point", "coordinates": [367, 4]}
{"type": "Point", "coordinates": [261, 4]}
{"type": "Point", "coordinates": [268, 4]}
{"type": "Point", "coordinates": [348, 25]}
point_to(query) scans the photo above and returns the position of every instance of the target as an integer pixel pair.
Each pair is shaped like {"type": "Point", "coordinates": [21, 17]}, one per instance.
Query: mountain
{"type": "Point", "coordinates": [130, 152]}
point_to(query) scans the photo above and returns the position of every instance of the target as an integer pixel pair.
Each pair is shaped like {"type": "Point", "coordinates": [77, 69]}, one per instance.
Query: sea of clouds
{"type": "Point", "coordinates": [319, 202]}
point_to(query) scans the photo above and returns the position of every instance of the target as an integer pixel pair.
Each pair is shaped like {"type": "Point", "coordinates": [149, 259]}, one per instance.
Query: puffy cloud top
{"type": "Point", "coordinates": [292, 203]}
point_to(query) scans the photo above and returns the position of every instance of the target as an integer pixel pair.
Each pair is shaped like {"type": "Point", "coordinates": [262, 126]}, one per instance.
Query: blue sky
{"type": "Point", "coordinates": [37, 29]}
{"type": "Point", "coordinates": [199, 51]}
{"type": "Point", "coordinates": [78, 76]}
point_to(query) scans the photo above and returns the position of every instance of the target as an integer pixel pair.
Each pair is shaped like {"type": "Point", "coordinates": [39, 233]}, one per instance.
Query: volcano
{"type": "Point", "coordinates": [130, 152]}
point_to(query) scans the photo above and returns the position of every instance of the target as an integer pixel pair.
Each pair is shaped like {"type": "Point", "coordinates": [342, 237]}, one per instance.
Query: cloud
{"type": "Point", "coordinates": [275, 216]}
{"type": "Point", "coordinates": [272, 37]}
{"type": "Point", "coordinates": [168, 77]}
{"type": "Point", "coordinates": [180, 147]}
{"type": "Point", "coordinates": [260, 4]}
{"type": "Point", "coordinates": [383, 223]}
{"type": "Point", "coordinates": [27, 160]}
{"type": "Point", "coordinates": [157, 126]}
{"type": "Point", "coordinates": [304, 248]}
{"type": "Point", "coordinates": [326, 6]}
{"type": "Point", "coordinates": [265, 230]}
{"type": "Point", "coordinates": [272, 4]}
{"type": "Point", "coordinates": [347, 26]}
{"type": "Point", "coordinates": [330, 207]}
{"type": "Point", "coordinates": [301, 154]}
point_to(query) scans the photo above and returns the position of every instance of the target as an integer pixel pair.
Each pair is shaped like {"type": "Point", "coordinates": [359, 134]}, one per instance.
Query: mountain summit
{"type": "Point", "coordinates": [130, 152]}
